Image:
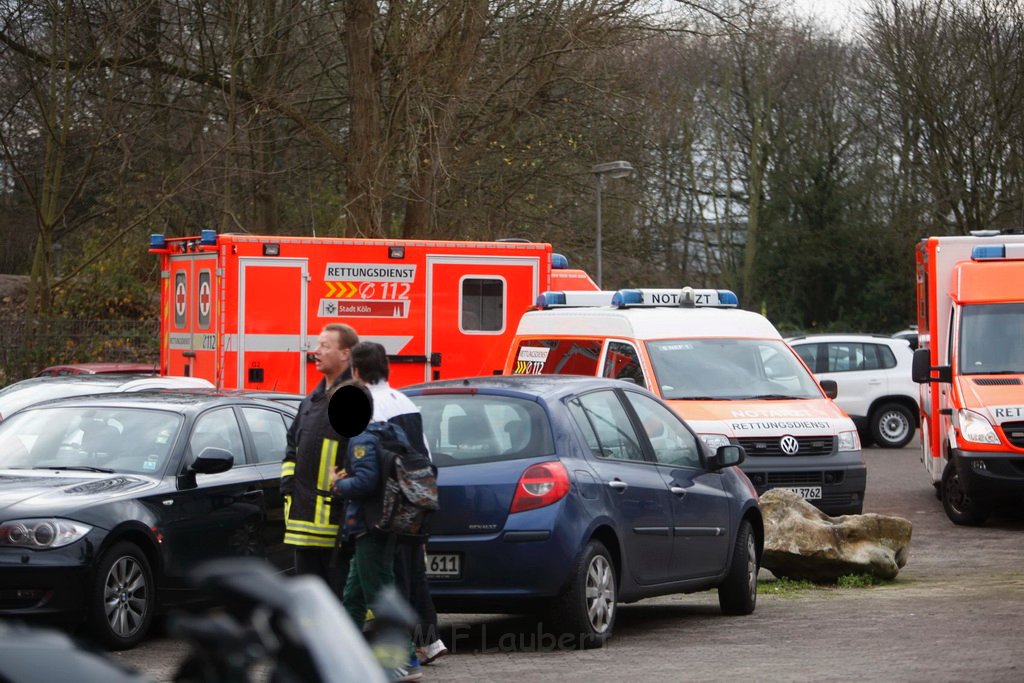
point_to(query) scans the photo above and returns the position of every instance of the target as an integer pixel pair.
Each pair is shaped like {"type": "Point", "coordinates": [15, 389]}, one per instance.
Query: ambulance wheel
{"type": "Point", "coordinates": [587, 610]}
{"type": "Point", "coordinates": [960, 508]}
{"type": "Point", "coordinates": [892, 425]}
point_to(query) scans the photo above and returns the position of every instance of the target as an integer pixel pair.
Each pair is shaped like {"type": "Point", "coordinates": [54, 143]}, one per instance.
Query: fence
{"type": "Point", "coordinates": [28, 346]}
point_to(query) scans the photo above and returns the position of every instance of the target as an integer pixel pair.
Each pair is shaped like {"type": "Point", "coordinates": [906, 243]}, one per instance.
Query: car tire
{"type": "Point", "coordinates": [587, 611]}
{"type": "Point", "coordinates": [122, 598]}
{"type": "Point", "coordinates": [892, 425]}
{"type": "Point", "coordinates": [960, 508]}
{"type": "Point", "coordinates": [737, 594]}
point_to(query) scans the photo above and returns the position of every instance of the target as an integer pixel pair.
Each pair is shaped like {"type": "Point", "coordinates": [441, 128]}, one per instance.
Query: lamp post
{"type": "Point", "coordinates": [612, 169]}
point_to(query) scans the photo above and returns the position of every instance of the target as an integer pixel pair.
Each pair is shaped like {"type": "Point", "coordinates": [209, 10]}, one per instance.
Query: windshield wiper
{"type": "Point", "coordinates": [697, 398]}
{"type": "Point", "coordinates": [78, 468]}
{"type": "Point", "coordinates": [773, 397]}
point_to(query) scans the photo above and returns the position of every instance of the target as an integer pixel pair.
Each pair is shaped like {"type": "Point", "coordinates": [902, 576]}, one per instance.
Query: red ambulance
{"type": "Point", "coordinates": [242, 310]}
{"type": "Point", "coordinates": [970, 365]}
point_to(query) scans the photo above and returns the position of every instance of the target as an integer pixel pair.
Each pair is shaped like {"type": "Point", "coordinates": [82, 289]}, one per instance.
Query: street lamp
{"type": "Point", "coordinates": [612, 169]}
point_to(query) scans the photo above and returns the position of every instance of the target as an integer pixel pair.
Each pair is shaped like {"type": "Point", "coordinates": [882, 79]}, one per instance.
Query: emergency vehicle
{"type": "Point", "coordinates": [243, 310]}
{"type": "Point", "coordinates": [970, 366]}
{"type": "Point", "coordinates": [727, 372]}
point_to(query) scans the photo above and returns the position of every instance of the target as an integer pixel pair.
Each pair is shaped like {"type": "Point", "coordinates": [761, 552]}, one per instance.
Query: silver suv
{"type": "Point", "coordinates": [873, 374]}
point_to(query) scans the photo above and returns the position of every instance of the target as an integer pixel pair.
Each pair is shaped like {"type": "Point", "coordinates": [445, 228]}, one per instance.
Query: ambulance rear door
{"type": "Point", "coordinates": [475, 304]}
{"type": "Point", "coordinates": [271, 340]}
{"type": "Point", "coordinates": [192, 319]}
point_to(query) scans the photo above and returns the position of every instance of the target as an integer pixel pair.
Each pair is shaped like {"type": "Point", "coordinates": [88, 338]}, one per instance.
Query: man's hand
{"type": "Point", "coordinates": [338, 474]}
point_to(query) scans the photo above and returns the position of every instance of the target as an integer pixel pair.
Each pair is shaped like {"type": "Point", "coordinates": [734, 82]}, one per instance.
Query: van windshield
{"type": "Point", "coordinates": [729, 369]}
{"type": "Point", "coordinates": [992, 339]}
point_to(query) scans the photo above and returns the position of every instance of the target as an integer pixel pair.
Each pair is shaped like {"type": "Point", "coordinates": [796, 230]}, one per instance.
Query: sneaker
{"type": "Point", "coordinates": [409, 672]}
{"type": "Point", "coordinates": [431, 652]}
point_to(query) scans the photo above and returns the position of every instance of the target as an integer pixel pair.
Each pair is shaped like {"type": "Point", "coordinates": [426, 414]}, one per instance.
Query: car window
{"type": "Point", "coordinates": [605, 415]}
{"type": "Point", "coordinates": [268, 431]}
{"type": "Point", "coordinates": [673, 444]}
{"type": "Point", "coordinates": [558, 357]}
{"type": "Point", "coordinates": [809, 354]}
{"type": "Point", "coordinates": [845, 357]}
{"type": "Point", "coordinates": [219, 429]}
{"type": "Point", "coordinates": [470, 428]}
{"type": "Point", "coordinates": [125, 440]}
{"type": "Point", "coordinates": [886, 358]}
{"type": "Point", "coordinates": [623, 362]}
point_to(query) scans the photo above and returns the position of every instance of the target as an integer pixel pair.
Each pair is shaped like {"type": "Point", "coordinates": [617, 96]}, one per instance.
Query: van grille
{"type": "Point", "coordinates": [1014, 433]}
{"type": "Point", "coordinates": [769, 446]}
{"type": "Point", "coordinates": [997, 381]}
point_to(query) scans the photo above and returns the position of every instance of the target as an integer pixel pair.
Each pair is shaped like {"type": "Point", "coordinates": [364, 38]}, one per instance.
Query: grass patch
{"type": "Point", "coordinates": [784, 586]}
{"type": "Point", "coordinates": [861, 581]}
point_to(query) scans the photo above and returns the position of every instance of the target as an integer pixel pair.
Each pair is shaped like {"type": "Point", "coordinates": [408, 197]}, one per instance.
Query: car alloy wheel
{"type": "Point", "coordinates": [600, 594]}
{"type": "Point", "coordinates": [125, 595]}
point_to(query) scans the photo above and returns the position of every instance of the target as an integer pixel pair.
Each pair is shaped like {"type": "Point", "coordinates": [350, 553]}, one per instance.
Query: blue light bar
{"type": "Point", "coordinates": [208, 238]}
{"type": "Point", "coordinates": [549, 299]}
{"type": "Point", "coordinates": [558, 261]}
{"type": "Point", "coordinates": [627, 297]}
{"type": "Point", "coordinates": [727, 298]}
{"type": "Point", "coordinates": [988, 251]}
{"type": "Point", "coordinates": [157, 241]}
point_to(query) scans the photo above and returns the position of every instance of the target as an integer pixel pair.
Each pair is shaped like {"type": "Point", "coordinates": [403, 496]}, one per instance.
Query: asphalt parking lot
{"type": "Point", "coordinates": [955, 612]}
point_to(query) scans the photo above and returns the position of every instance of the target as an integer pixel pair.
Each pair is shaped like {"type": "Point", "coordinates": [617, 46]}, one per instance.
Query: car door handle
{"type": "Point", "coordinates": [678, 490]}
{"type": "Point", "coordinates": [252, 494]}
{"type": "Point", "coordinates": [618, 485]}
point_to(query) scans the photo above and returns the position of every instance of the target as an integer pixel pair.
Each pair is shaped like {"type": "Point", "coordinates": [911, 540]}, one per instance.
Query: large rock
{"type": "Point", "coordinates": [802, 542]}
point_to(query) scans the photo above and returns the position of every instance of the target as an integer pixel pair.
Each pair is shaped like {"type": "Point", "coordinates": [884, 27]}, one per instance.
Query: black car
{"type": "Point", "coordinates": [107, 502]}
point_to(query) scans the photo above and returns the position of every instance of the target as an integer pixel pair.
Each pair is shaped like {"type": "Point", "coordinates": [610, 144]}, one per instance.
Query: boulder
{"type": "Point", "coordinates": [802, 542]}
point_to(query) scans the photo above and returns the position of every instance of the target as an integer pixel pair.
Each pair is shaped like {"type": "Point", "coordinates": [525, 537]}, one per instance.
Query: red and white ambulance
{"type": "Point", "coordinates": [726, 371]}
{"type": "Point", "coordinates": [970, 364]}
{"type": "Point", "coordinates": [242, 310]}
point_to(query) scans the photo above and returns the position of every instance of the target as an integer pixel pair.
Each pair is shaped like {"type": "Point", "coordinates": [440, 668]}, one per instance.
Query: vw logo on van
{"type": "Point", "coordinates": [789, 445]}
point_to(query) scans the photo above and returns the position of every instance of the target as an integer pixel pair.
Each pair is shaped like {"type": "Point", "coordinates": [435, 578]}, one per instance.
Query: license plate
{"type": "Point", "coordinates": [807, 492]}
{"type": "Point", "coordinates": [446, 565]}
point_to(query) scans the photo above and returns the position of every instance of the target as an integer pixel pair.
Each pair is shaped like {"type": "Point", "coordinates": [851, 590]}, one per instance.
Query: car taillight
{"type": "Point", "coordinates": [540, 485]}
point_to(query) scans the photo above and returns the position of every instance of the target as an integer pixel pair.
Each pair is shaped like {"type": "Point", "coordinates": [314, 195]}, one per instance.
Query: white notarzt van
{"type": "Point", "coordinates": [726, 371]}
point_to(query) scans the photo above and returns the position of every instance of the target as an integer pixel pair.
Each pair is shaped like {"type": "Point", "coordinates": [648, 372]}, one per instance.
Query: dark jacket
{"type": "Point", "coordinates": [363, 487]}
{"type": "Point", "coordinates": [314, 449]}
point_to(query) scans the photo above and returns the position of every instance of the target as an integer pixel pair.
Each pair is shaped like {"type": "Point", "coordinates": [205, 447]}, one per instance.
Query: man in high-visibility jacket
{"type": "Point", "coordinates": [314, 450]}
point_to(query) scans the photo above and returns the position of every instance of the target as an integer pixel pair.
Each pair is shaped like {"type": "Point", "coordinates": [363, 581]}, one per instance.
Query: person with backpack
{"type": "Point", "coordinates": [370, 365]}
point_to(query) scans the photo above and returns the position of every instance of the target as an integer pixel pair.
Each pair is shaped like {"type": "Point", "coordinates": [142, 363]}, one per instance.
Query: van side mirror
{"type": "Point", "coordinates": [830, 387]}
{"type": "Point", "coordinates": [921, 370]}
{"type": "Point", "coordinates": [726, 456]}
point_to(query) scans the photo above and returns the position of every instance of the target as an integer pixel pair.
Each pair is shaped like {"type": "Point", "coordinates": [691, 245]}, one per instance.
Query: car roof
{"type": "Point", "coordinates": [101, 368]}
{"type": "Point", "coordinates": [841, 336]}
{"type": "Point", "coordinates": [177, 401]}
{"type": "Point", "coordinates": [546, 386]}
{"type": "Point", "coordinates": [647, 323]}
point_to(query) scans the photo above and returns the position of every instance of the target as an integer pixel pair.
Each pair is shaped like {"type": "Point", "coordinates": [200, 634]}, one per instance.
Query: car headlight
{"type": "Point", "coordinates": [975, 428]}
{"type": "Point", "coordinates": [41, 534]}
{"type": "Point", "coordinates": [849, 441]}
{"type": "Point", "coordinates": [713, 441]}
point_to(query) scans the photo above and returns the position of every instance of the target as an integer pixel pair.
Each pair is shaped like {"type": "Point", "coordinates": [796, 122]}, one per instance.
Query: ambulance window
{"type": "Point", "coordinates": [558, 357]}
{"type": "Point", "coordinates": [623, 362]}
{"type": "Point", "coordinates": [482, 306]}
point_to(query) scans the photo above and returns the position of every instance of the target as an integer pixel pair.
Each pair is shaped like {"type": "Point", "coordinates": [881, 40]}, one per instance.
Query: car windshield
{"type": "Point", "coordinates": [729, 369]}
{"type": "Point", "coordinates": [128, 440]}
{"type": "Point", "coordinates": [472, 428]}
{"type": "Point", "coordinates": [992, 339]}
{"type": "Point", "coordinates": [17, 396]}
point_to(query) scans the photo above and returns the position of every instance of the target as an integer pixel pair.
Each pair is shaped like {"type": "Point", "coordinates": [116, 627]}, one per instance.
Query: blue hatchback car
{"type": "Point", "coordinates": [565, 496]}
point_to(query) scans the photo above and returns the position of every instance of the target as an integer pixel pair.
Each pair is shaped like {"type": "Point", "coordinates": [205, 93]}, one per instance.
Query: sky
{"type": "Point", "coordinates": [837, 14]}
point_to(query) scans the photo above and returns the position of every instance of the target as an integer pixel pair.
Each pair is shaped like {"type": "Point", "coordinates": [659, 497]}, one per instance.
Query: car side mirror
{"type": "Point", "coordinates": [921, 370]}
{"type": "Point", "coordinates": [212, 460]}
{"type": "Point", "coordinates": [830, 387]}
{"type": "Point", "coordinates": [727, 456]}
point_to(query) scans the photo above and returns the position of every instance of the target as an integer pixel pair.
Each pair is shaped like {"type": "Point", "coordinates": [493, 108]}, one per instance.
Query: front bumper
{"type": "Point", "coordinates": [990, 473]}
{"type": "Point", "coordinates": [51, 584]}
{"type": "Point", "coordinates": [841, 476]}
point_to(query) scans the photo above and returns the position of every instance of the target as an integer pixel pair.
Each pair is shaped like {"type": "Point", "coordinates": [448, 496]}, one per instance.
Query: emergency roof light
{"type": "Point", "coordinates": [686, 297]}
{"type": "Point", "coordinates": [157, 241]}
{"type": "Point", "coordinates": [207, 238]}
{"type": "Point", "coordinates": [577, 298]}
{"type": "Point", "coordinates": [997, 251]}
{"type": "Point", "coordinates": [558, 261]}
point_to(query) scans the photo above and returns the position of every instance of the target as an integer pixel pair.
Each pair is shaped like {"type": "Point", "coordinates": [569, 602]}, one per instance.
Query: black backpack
{"type": "Point", "coordinates": [408, 486]}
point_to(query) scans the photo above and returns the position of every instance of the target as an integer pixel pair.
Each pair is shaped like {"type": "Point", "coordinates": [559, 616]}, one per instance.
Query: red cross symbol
{"type": "Point", "coordinates": [179, 299]}
{"type": "Point", "coordinates": [204, 298]}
